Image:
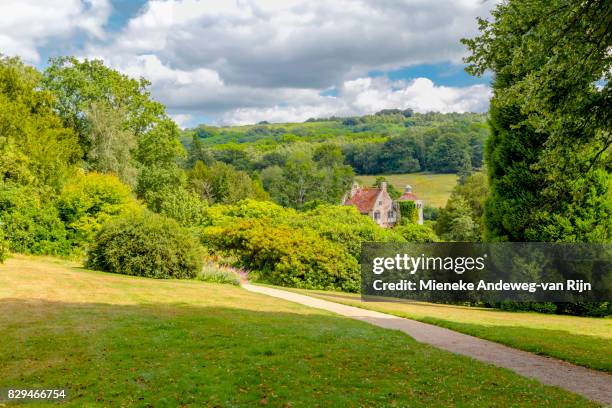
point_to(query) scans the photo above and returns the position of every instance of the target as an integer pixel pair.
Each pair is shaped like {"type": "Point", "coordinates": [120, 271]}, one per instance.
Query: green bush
{"type": "Point", "coordinates": [218, 274]}
{"type": "Point", "coordinates": [4, 248]}
{"type": "Point", "coordinates": [286, 256]}
{"type": "Point", "coordinates": [90, 200]}
{"type": "Point", "coordinates": [146, 245]}
{"type": "Point", "coordinates": [184, 206]}
{"type": "Point", "coordinates": [30, 221]}
{"type": "Point", "coordinates": [416, 233]}
{"type": "Point", "coordinates": [345, 226]}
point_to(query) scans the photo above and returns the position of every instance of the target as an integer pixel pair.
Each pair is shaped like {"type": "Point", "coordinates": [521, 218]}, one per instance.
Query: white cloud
{"type": "Point", "coordinates": [245, 60]}
{"type": "Point", "coordinates": [181, 119]}
{"type": "Point", "coordinates": [368, 95]}
{"type": "Point", "coordinates": [27, 25]}
{"type": "Point", "coordinates": [307, 44]}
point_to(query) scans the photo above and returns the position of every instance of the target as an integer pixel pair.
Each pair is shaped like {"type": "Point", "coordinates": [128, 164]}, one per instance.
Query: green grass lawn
{"type": "Point", "coordinates": [115, 340]}
{"type": "Point", "coordinates": [433, 189]}
{"type": "Point", "coordinates": [580, 340]}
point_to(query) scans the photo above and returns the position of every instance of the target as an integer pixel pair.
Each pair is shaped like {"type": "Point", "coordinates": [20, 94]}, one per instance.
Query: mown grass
{"type": "Point", "coordinates": [433, 189]}
{"type": "Point", "coordinates": [115, 340]}
{"type": "Point", "coordinates": [585, 341]}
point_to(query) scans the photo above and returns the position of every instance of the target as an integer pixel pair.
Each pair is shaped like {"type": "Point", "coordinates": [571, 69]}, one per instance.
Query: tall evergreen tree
{"type": "Point", "coordinates": [548, 157]}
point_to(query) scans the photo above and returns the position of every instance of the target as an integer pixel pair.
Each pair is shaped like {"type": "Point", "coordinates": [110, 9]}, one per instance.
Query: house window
{"type": "Point", "coordinates": [380, 203]}
{"type": "Point", "coordinates": [391, 214]}
{"type": "Point", "coordinates": [377, 215]}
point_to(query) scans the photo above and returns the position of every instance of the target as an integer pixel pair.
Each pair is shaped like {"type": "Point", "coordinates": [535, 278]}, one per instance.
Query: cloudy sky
{"type": "Point", "coordinates": [243, 61]}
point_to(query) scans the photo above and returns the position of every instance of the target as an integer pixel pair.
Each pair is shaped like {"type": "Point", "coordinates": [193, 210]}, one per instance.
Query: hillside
{"type": "Point", "coordinates": [390, 141]}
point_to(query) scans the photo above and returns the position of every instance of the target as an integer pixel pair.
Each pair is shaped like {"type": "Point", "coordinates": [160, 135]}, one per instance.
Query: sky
{"type": "Point", "coordinates": [243, 61]}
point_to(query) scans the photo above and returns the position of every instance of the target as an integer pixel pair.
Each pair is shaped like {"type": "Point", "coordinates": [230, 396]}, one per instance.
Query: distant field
{"type": "Point", "coordinates": [433, 189]}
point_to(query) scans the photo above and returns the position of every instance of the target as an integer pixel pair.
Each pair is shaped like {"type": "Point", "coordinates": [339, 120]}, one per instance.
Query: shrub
{"type": "Point", "coordinates": [180, 204]}
{"type": "Point", "coordinates": [430, 213]}
{"type": "Point", "coordinates": [345, 226]}
{"type": "Point", "coordinates": [416, 233]}
{"type": "Point", "coordinates": [4, 248]}
{"type": "Point", "coordinates": [286, 256]}
{"type": "Point", "coordinates": [214, 273]}
{"type": "Point", "coordinates": [90, 200]}
{"type": "Point", "coordinates": [146, 245]}
{"type": "Point", "coordinates": [30, 221]}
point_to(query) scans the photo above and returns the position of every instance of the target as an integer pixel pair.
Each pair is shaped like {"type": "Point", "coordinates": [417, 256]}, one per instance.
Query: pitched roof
{"type": "Point", "coordinates": [408, 196]}
{"type": "Point", "coordinates": [364, 199]}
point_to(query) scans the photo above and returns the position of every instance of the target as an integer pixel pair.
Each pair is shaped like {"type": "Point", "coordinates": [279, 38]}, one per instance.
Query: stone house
{"type": "Point", "coordinates": [374, 202]}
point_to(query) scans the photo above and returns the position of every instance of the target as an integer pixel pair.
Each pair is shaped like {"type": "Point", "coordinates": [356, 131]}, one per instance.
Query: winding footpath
{"type": "Point", "coordinates": [592, 384]}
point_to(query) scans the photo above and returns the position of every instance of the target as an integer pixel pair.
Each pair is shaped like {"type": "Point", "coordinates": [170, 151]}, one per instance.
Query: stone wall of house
{"type": "Point", "coordinates": [384, 211]}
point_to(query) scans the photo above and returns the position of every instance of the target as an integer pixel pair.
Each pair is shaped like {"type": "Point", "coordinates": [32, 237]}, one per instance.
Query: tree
{"type": "Point", "coordinates": [449, 154]}
{"type": "Point", "coordinates": [35, 147]}
{"type": "Point", "coordinates": [198, 152]}
{"type": "Point", "coordinates": [548, 156]}
{"type": "Point", "coordinates": [401, 155]}
{"type": "Point", "coordinates": [77, 85]}
{"type": "Point", "coordinates": [296, 183]}
{"type": "Point", "coordinates": [90, 200]}
{"type": "Point", "coordinates": [455, 222]}
{"type": "Point", "coordinates": [302, 180]}
{"type": "Point", "coordinates": [158, 153]}
{"type": "Point", "coordinates": [463, 217]}
{"type": "Point", "coordinates": [328, 155]}
{"type": "Point", "coordinates": [222, 183]}
{"type": "Point", "coordinates": [111, 144]}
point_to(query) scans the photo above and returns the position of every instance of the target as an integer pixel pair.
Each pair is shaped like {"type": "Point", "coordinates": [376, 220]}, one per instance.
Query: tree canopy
{"type": "Point", "coordinates": [548, 155]}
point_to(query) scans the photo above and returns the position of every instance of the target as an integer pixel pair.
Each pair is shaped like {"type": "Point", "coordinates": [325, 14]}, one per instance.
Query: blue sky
{"type": "Point", "coordinates": [236, 62]}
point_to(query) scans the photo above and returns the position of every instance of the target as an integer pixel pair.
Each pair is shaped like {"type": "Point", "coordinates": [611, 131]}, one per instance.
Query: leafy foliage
{"type": "Point", "coordinates": [317, 248]}
{"type": "Point", "coordinates": [146, 245]}
{"type": "Point", "coordinates": [181, 204]}
{"type": "Point", "coordinates": [4, 247]}
{"type": "Point", "coordinates": [284, 256]}
{"type": "Point", "coordinates": [221, 183]}
{"type": "Point", "coordinates": [409, 212]}
{"type": "Point", "coordinates": [416, 233]}
{"type": "Point", "coordinates": [463, 217]}
{"type": "Point", "coordinates": [387, 142]}
{"type": "Point", "coordinates": [80, 85]}
{"type": "Point", "coordinates": [548, 155]}
{"type": "Point", "coordinates": [302, 179]}
{"type": "Point", "coordinates": [111, 144]}
{"type": "Point", "coordinates": [35, 147]}
{"type": "Point", "coordinates": [31, 222]}
{"type": "Point", "coordinates": [90, 200]}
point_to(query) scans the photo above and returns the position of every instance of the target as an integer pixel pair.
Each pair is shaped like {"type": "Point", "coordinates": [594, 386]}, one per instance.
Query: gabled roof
{"type": "Point", "coordinates": [364, 199]}
{"type": "Point", "coordinates": [408, 196]}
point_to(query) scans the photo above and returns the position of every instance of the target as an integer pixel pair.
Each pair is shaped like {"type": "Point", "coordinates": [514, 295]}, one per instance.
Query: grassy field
{"type": "Point", "coordinates": [433, 189]}
{"type": "Point", "coordinates": [580, 340]}
{"type": "Point", "coordinates": [115, 340]}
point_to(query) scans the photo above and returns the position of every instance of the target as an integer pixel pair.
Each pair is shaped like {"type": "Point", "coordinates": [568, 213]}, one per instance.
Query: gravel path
{"type": "Point", "coordinates": [592, 384]}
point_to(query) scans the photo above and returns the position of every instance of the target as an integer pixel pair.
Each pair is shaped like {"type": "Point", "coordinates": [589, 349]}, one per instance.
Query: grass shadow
{"type": "Point", "coordinates": [174, 354]}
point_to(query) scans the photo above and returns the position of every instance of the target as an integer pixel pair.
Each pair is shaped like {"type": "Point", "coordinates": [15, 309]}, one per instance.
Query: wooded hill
{"type": "Point", "coordinates": [389, 141]}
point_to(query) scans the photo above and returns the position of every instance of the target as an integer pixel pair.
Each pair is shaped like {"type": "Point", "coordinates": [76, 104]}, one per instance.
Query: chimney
{"type": "Point", "coordinates": [383, 186]}
{"type": "Point", "coordinates": [354, 188]}
{"type": "Point", "coordinates": [408, 188]}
